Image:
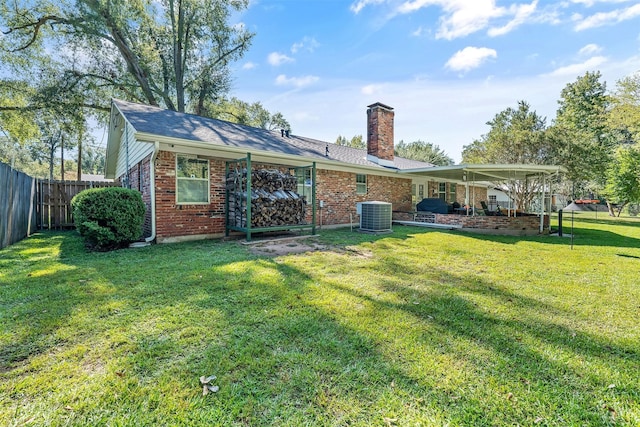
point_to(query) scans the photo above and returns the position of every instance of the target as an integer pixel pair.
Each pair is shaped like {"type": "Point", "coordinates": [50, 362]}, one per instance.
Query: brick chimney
{"type": "Point", "coordinates": [380, 134]}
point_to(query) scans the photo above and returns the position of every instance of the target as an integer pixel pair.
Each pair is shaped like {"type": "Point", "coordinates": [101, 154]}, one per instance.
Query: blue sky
{"type": "Point", "coordinates": [446, 66]}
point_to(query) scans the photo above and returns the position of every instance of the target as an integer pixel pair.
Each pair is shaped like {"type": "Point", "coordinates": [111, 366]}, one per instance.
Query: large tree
{"type": "Point", "coordinates": [424, 152]}
{"type": "Point", "coordinates": [624, 116]}
{"type": "Point", "coordinates": [623, 178]}
{"type": "Point", "coordinates": [173, 53]}
{"type": "Point", "coordinates": [238, 111]}
{"type": "Point", "coordinates": [517, 135]}
{"type": "Point", "coordinates": [356, 142]}
{"type": "Point", "coordinates": [582, 138]}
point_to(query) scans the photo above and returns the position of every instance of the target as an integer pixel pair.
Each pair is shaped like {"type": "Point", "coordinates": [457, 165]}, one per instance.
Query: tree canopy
{"type": "Point", "coordinates": [173, 53]}
{"type": "Point", "coordinates": [67, 59]}
{"type": "Point", "coordinates": [356, 142]}
{"type": "Point", "coordinates": [581, 138]}
{"type": "Point", "coordinates": [424, 152]}
{"type": "Point", "coordinates": [517, 135]}
{"type": "Point", "coordinates": [624, 116]}
{"type": "Point", "coordinates": [237, 111]}
{"type": "Point", "coordinates": [623, 177]}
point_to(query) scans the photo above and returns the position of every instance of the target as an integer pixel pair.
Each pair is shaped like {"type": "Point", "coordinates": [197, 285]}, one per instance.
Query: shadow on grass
{"type": "Point", "coordinates": [35, 296]}
{"type": "Point", "coordinates": [526, 346]}
{"type": "Point", "coordinates": [282, 356]}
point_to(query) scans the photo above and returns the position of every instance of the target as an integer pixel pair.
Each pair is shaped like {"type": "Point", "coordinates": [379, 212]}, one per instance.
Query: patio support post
{"type": "Point", "coordinates": [313, 198]}
{"type": "Point", "coordinates": [466, 190]}
{"type": "Point", "coordinates": [249, 197]}
{"type": "Point", "coordinates": [542, 205]}
{"type": "Point", "coordinates": [473, 197]}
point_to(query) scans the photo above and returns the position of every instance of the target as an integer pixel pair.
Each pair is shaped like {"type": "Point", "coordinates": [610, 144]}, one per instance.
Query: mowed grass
{"type": "Point", "coordinates": [418, 327]}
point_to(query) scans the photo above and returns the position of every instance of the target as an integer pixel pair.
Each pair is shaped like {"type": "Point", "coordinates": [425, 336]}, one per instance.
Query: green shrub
{"type": "Point", "coordinates": [108, 218]}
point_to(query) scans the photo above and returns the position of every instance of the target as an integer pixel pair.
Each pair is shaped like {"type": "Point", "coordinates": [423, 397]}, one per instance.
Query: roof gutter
{"type": "Point", "coordinates": [152, 191]}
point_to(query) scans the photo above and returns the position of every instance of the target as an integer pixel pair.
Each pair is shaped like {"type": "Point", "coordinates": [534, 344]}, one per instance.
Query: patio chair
{"type": "Point", "coordinates": [485, 208]}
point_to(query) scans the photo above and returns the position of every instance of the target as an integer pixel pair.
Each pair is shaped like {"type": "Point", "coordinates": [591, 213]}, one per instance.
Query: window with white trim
{"type": "Point", "coordinates": [361, 184]}
{"type": "Point", "coordinates": [192, 180]}
{"type": "Point", "coordinates": [452, 192]}
{"type": "Point", "coordinates": [304, 182]}
{"type": "Point", "coordinates": [442, 191]}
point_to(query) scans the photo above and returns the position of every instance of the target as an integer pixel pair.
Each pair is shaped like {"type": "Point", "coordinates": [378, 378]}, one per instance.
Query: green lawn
{"type": "Point", "coordinates": [418, 327]}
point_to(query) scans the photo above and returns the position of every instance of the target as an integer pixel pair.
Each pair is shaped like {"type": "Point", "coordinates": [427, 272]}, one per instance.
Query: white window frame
{"type": "Point", "coordinates": [442, 191]}
{"type": "Point", "coordinates": [361, 187]}
{"type": "Point", "coordinates": [178, 178]}
{"type": "Point", "coordinates": [304, 182]}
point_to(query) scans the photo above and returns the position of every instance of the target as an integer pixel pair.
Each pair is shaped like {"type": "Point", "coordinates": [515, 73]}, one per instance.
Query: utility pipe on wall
{"type": "Point", "coordinates": [152, 190]}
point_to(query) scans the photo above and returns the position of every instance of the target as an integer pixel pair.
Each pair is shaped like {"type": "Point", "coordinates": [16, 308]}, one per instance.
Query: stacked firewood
{"type": "Point", "coordinates": [274, 200]}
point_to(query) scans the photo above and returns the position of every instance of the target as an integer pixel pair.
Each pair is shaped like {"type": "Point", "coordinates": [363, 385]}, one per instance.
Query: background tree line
{"type": "Point", "coordinates": [595, 135]}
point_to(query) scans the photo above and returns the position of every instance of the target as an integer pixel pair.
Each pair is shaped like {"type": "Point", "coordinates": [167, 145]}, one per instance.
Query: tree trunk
{"type": "Point", "coordinates": [62, 157]}
{"type": "Point", "coordinates": [52, 152]}
{"type": "Point", "coordinates": [178, 46]}
{"type": "Point", "coordinates": [79, 174]}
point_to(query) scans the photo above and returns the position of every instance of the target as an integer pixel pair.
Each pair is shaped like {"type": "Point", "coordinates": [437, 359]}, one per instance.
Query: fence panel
{"type": "Point", "coordinates": [17, 214]}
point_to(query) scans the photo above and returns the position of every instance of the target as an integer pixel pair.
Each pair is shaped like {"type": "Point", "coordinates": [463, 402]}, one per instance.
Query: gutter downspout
{"type": "Point", "coordinates": [152, 191]}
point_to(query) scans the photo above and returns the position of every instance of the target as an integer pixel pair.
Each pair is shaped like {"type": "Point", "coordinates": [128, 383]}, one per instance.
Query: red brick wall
{"type": "Point", "coordinates": [174, 220]}
{"type": "Point", "coordinates": [525, 223]}
{"type": "Point", "coordinates": [336, 189]}
{"type": "Point", "coordinates": [380, 132]}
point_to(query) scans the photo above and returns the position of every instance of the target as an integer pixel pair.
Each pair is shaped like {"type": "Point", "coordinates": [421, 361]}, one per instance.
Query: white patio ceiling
{"type": "Point", "coordinates": [486, 172]}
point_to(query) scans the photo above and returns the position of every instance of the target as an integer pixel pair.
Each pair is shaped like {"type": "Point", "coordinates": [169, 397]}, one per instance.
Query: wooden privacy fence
{"type": "Point", "coordinates": [28, 204]}
{"type": "Point", "coordinates": [53, 201]}
{"type": "Point", "coordinates": [17, 213]}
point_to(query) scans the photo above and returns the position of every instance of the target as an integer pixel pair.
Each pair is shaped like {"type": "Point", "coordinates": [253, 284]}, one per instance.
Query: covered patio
{"type": "Point", "coordinates": [513, 219]}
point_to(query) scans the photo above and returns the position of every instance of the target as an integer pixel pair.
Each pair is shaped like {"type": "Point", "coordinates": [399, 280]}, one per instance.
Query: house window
{"type": "Point", "coordinates": [361, 184]}
{"type": "Point", "coordinates": [304, 182]}
{"type": "Point", "coordinates": [493, 203]}
{"type": "Point", "coordinates": [446, 192]}
{"type": "Point", "coordinates": [442, 191]}
{"type": "Point", "coordinates": [413, 194]}
{"type": "Point", "coordinates": [192, 180]}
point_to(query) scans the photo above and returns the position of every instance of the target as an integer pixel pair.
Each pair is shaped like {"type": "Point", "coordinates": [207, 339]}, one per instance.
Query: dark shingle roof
{"type": "Point", "coordinates": [157, 121]}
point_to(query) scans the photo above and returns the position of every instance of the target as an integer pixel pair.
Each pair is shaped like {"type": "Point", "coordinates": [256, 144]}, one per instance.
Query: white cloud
{"type": "Point", "coordinates": [418, 32]}
{"type": "Point", "coordinates": [371, 89]}
{"type": "Point", "coordinates": [277, 58]}
{"type": "Point", "coordinates": [458, 116]}
{"type": "Point", "coordinates": [521, 12]}
{"type": "Point", "coordinates": [589, 3]}
{"type": "Point", "coordinates": [461, 17]}
{"type": "Point", "coordinates": [579, 68]}
{"type": "Point", "coordinates": [590, 49]}
{"type": "Point", "coordinates": [607, 18]}
{"type": "Point", "coordinates": [464, 17]}
{"type": "Point", "coordinates": [283, 80]}
{"type": "Point", "coordinates": [361, 4]}
{"type": "Point", "coordinates": [249, 65]}
{"type": "Point", "coordinates": [308, 43]}
{"type": "Point", "coordinates": [469, 58]}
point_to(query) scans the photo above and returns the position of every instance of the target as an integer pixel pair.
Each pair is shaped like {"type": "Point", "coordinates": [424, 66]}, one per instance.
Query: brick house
{"type": "Point", "coordinates": [177, 161]}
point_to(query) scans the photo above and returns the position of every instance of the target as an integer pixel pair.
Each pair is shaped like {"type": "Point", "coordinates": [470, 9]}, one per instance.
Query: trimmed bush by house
{"type": "Point", "coordinates": [108, 218]}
